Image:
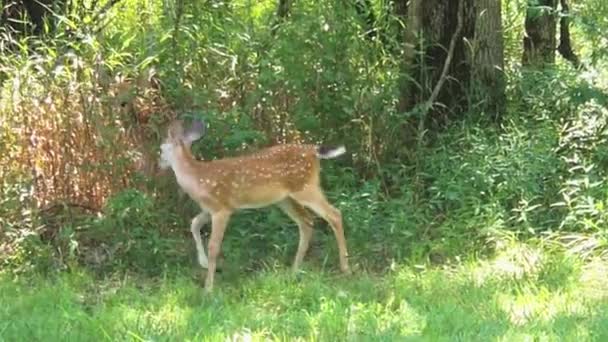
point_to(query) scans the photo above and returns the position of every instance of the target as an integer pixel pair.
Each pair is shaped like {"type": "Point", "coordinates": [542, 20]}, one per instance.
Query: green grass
{"type": "Point", "coordinates": [522, 294]}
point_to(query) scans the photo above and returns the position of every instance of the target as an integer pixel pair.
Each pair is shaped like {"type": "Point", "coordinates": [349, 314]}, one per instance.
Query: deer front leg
{"type": "Point", "coordinates": [219, 221]}
{"type": "Point", "coordinates": [197, 223]}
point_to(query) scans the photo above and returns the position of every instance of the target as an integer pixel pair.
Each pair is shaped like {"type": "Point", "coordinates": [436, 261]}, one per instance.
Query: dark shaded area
{"type": "Point", "coordinates": [12, 14]}
{"type": "Point", "coordinates": [29, 17]}
{"type": "Point", "coordinates": [40, 11]}
{"type": "Point", "coordinates": [364, 10]}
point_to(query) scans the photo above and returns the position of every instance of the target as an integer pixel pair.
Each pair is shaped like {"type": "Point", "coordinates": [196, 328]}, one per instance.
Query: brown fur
{"type": "Point", "coordinates": [285, 175]}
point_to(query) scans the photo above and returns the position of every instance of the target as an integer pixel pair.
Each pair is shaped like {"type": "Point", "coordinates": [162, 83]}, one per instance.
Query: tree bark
{"type": "Point", "coordinates": [539, 40]}
{"type": "Point", "coordinates": [413, 17]}
{"type": "Point", "coordinates": [400, 8]}
{"type": "Point", "coordinates": [488, 83]}
{"type": "Point", "coordinates": [431, 25]}
{"type": "Point", "coordinates": [283, 11]}
{"type": "Point", "coordinates": [565, 44]}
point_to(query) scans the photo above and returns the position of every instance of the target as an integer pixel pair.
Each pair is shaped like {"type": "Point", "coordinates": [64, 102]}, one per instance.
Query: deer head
{"type": "Point", "coordinates": [179, 141]}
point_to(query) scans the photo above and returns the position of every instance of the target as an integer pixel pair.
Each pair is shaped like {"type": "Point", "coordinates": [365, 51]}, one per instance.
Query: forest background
{"type": "Point", "coordinates": [473, 192]}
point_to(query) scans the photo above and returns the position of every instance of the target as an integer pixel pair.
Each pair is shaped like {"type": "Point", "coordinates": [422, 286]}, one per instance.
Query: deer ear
{"type": "Point", "coordinates": [195, 131]}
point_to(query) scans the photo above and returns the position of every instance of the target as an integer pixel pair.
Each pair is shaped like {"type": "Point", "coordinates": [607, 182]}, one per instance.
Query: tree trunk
{"type": "Point", "coordinates": [539, 40]}
{"type": "Point", "coordinates": [283, 11]}
{"type": "Point", "coordinates": [431, 26]}
{"type": "Point", "coordinates": [400, 8]}
{"type": "Point", "coordinates": [565, 44]}
{"type": "Point", "coordinates": [413, 18]}
{"type": "Point", "coordinates": [488, 83]}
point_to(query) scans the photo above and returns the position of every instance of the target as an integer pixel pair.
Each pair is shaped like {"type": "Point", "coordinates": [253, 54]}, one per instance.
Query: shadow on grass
{"type": "Point", "coordinates": [471, 302]}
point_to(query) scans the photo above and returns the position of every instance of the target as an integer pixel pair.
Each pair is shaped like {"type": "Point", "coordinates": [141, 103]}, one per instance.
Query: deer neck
{"type": "Point", "coordinates": [187, 170]}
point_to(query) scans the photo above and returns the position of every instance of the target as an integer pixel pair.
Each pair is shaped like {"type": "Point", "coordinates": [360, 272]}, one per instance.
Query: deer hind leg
{"type": "Point", "coordinates": [313, 198]}
{"type": "Point", "coordinates": [304, 221]}
{"type": "Point", "coordinates": [197, 223]}
{"type": "Point", "coordinates": [219, 221]}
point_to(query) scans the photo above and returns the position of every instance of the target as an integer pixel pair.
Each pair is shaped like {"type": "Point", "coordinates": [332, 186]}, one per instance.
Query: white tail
{"type": "Point", "coordinates": [329, 153]}
{"type": "Point", "coordinates": [285, 175]}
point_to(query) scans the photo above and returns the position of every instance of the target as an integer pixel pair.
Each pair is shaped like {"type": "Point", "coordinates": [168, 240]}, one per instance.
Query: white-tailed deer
{"type": "Point", "coordinates": [285, 175]}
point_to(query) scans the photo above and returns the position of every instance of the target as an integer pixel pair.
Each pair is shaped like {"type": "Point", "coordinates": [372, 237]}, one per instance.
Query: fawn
{"type": "Point", "coordinates": [285, 175]}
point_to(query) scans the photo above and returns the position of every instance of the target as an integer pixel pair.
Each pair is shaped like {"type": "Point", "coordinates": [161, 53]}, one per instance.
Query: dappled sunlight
{"type": "Point", "coordinates": [169, 318]}
{"type": "Point", "coordinates": [407, 303]}
{"type": "Point", "coordinates": [540, 306]}
{"type": "Point", "coordinates": [515, 290]}
{"type": "Point", "coordinates": [514, 262]}
{"type": "Point", "coordinates": [399, 317]}
{"type": "Point", "coordinates": [246, 335]}
{"type": "Point", "coordinates": [594, 285]}
{"type": "Point", "coordinates": [519, 312]}
{"type": "Point", "coordinates": [539, 302]}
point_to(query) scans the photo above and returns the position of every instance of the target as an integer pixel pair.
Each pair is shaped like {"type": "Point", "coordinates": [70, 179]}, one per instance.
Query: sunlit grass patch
{"type": "Point", "coordinates": [476, 300]}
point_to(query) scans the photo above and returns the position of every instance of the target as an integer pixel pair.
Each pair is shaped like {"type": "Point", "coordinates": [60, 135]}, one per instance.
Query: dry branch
{"type": "Point", "coordinates": [448, 61]}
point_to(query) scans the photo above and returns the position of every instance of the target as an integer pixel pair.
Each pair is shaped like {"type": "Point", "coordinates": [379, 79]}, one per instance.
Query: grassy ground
{"type": "Point", "coordinates": [523, 294]}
